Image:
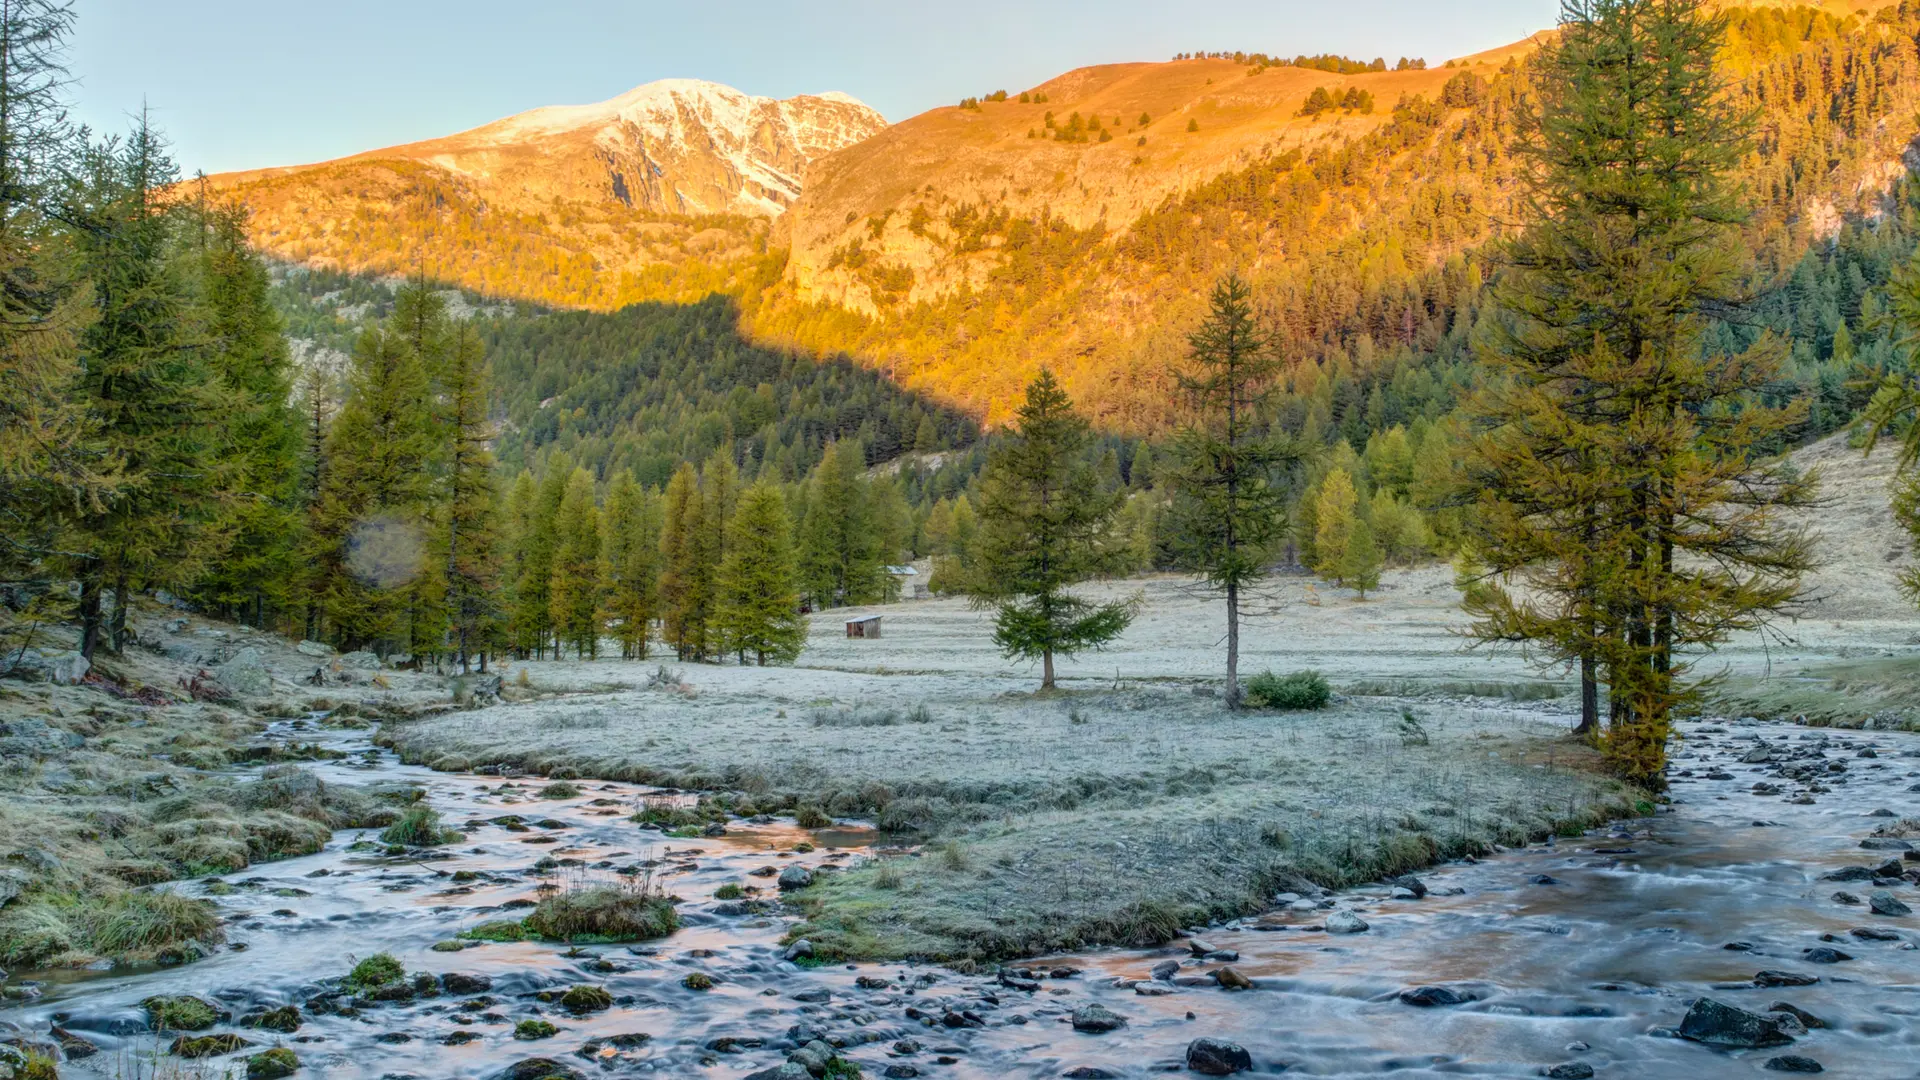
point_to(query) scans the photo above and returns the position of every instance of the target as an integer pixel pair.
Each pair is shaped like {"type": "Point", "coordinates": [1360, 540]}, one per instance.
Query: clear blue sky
{"type": "Point", "coordinates": [245, 83]}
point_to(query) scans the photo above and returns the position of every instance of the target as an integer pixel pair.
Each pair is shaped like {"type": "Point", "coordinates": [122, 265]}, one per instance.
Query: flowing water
{"type": "Point", "coordinates": [1595, 966]}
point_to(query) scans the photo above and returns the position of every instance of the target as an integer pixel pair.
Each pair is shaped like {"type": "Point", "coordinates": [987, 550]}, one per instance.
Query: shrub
{"type": "Point", "coordinates": [418, 827]}
{"type": "Point", "coordinates": [603, 913]}
{"type": "Point", "coordinates": [565, 789]}
{"type": "Point", "coordinates": [1301, 690]}
{"type": "Point", "coordinates": [729, 891]}
{"type": "Point", "coordinates": [378, 970]}
{"type": "Point", "coordinates": [812, 817]}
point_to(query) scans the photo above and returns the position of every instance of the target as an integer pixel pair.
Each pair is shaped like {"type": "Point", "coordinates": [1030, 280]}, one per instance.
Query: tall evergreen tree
{"type": "Point", "coordinates": [48, 457]}
{"type": "Point", "coordinates": [842, 557]}
{"type": "Point", "coordinates": [145, 381]}
{"type": "Point", "coordinates": [577, 571]}
{"type": "Point", "coordinates": [1228, 511]}
{"type": "Point", "coordinates": [534, 551]}
{"type": "Point", "coordinates": [685, 584]}
{"type": "Point", "coordinates": [469, 521]}
{"type": "Point", "coordinates": [632, 516]}
{"type": "Point", "coordinates": [758, 613]}
{"type": "Point", "coordinates": [1620, 469]}
{"type": "Point", "coordinates": [371, 528]}
{"type": "Point", "coordinates": [261, 522]}
{"type": "Point", "coordinates": [1044, 527]}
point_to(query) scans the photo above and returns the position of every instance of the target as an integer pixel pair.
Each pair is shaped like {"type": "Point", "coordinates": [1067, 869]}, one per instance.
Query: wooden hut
{"type": "Point", "coordinates": [866, 626]}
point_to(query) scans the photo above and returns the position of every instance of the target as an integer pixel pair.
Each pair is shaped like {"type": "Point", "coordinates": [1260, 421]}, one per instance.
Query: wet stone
{"type": "Point", "coordinates": [1794, 1063]}
{"type": "Point", "coordinates": [1217, 1057]}
{"type": "Point", "coordinates": [1426, 997]}
{"type": "Point", "coordinates": [1885, 903]}
{"type": "Point", "coordinates": [1716, 1024]}
{"type": "Point", "coordinates": [1097, 1019]}
{"type": "Point", "coordinates": [1568, 1070]}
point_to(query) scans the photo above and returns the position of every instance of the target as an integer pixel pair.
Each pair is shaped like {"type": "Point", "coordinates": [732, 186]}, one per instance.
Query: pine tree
{"type": "Point", "coordinates": [1360, 559]}
{"type": "Point", "coordinates": [842, 553]}
{"type": "Point", "coordinates": [1228, 513]}
{"type": "Point", "coordinates": [260, 521]}
{"type": "Point", "coordinates": [49, 456]}
{"type": "Point", "coordinates": [685, 585]}
{"type": "Point", "coordinates": [574, 596]}
{"type": "Point", "coordinates": [470, 519]}
{"type": "Point", "coordinates": [533, 596]}
{"type": "Point", "coordinates": [1619, 470]}
{"type": "Point", "coordinates": [144, 380]}
{"type": "Point", "coordinates": [1044, 527]}
{"type": "Point", "coordinates": [632, 516]}
{"type": "Point", "coordinates": [371, 526]}
{"type": "Point", "coordinates": [1334, 511]}
{"type": "Point", "coordinates": [758, 612]}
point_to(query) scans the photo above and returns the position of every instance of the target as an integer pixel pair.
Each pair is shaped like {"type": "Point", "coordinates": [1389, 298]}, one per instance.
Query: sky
{"type": "Point", "coordinates": [239, 84]}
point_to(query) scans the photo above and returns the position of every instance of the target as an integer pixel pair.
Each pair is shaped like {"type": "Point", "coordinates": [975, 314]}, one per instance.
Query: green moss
{"type": "Point", "coordinates": [729, 891]}
{"type": "Point", "coordinates": [697, 980]}
{"type": "Point", "coordinates": [497, 930]}
{"type": "Point", "coordinates": [528, 1030]}
{"type": "Point", "coordinates": [179, 1013]}
{"type": "Point", "coordinates": [376, 971]}
{"type": "Point", "coordinates": [586, 999]}
{"type": "Point", "coordinates": [564, 789]}
{"type": "Point", "coordinates": [603, 913]}
{"type": "Point", "coordinates": [285, 1019]}
{"type": "Point", "coordinates": [272, 1064]}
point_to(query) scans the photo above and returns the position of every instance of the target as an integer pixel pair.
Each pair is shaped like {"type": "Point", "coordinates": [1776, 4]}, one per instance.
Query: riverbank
{"type": "Point", "coordinates": [1116, 810]}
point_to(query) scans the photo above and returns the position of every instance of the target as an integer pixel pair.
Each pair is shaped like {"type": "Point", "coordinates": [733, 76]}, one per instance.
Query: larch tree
{"type": "Point", "coordinates": [685, 586]}
{"type": "Point", "coordinates": [632, 518]}
{"type": "Point", "coordinates": [1044, 527]}
{"type": "Point", "coordinates": [574, 596]}
{"type": "Point", "coordinates": [144, 380]}
{"type": "Point", "coordinates": [758, 613]}
{"type": "Point", "coordinates": [1335, 511]}
{"type": "Point", "coordinates": [842, 558]}
{"type": "Point", "coordinates": [469, 522]}
{"type": "Point", "coordinates": [371, 527]}
{"type": "Point", "coordinates": [48, 455]}
{"type": "Point", "coordinates": [1228, 512]}
{"type": "Point", "coordinates": [1620, 471]}
{"type": "Point", "coordinates": [533, 595]}
{"type": "Point", "coordinates": [259, 523]}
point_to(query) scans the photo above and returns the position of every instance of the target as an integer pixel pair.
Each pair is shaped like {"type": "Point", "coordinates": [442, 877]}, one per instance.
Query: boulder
{"type": "Point", "coordinates": [1165, 970]}
{"type": "Point", "coordinates": [1345, 921]}
{"type": "Point", "coordinates": [1217, 1057]}
{"type": "Point", "coordinates": [1097, 1019]}
{"type": "Point", "coordinates": [1715, 1024]}
{"type": "Point", "coordinates": [795, 877]}
{"type": "Point", "coordinates": [67, 668]}
{"type": "Point", "coordinates": [314, 648]}
{"type": "Point", "coordinates": [1783, 978]}
{"type": "Point", "coordinates": [1568, 1070]}
{"type": "Point", "coordinates": [1230, 979]}
{"type": "Point", "coordinates": [245, 673]}
{"type": "Point", "coordinates": [1885, 903]}
{"type": "Point", "coordinates": [1794, 1063]}
{"type": "Point", "coordinates": [799, 950]}
{"type": "Point", "coordinates": [366, 661]}
{"type": "Point", "coordinates": [1871, 843]}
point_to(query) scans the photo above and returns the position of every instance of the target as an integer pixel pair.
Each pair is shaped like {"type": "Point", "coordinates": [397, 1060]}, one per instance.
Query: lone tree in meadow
{"type": "Point", "coordinates": [1045, 525]}
{"type": "Point", "coordinates": [1619, 467]}
{"type": "Point", "coordinates": [1227, 512]}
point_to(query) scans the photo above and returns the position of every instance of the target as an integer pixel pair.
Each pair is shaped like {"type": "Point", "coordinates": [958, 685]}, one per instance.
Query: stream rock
{"type": "Point", "coordinates": [1715, 1024]}
{"type": "Point", "coordinates": [1165, 970]}
{"type": "Point", "coordinates": [1568, 1070]}
{"type": "Point", "coordinates": [1426, 997]}
{"type": "Point", "coordinates": [1794, 1063]}
{"type": "Point", "coordinates": [1216, 1057]}
{"type": "Point", "coordinates": [1345, 921]}
{"type": "Point", "coordinates": [1885, 903]}
{"type": "Point", "coordinates": [795, 877]}
{"type": "Point", "coordinates": [1097, 1019]}
{"type": "Point", "coordinates": [538, 1068]}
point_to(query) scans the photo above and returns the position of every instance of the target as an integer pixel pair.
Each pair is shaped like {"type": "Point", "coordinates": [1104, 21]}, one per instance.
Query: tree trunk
{"type": "Point", "coordinates": [1233, 645]}
{"type": "Point", "coordinates": [1046, 667]}
{"type": "Point", "coordinates": [89, 613]}
{"type": "Point", "coordinates": [1589, 698]}
{"type": "Point", "coordinates": [117, 627]}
